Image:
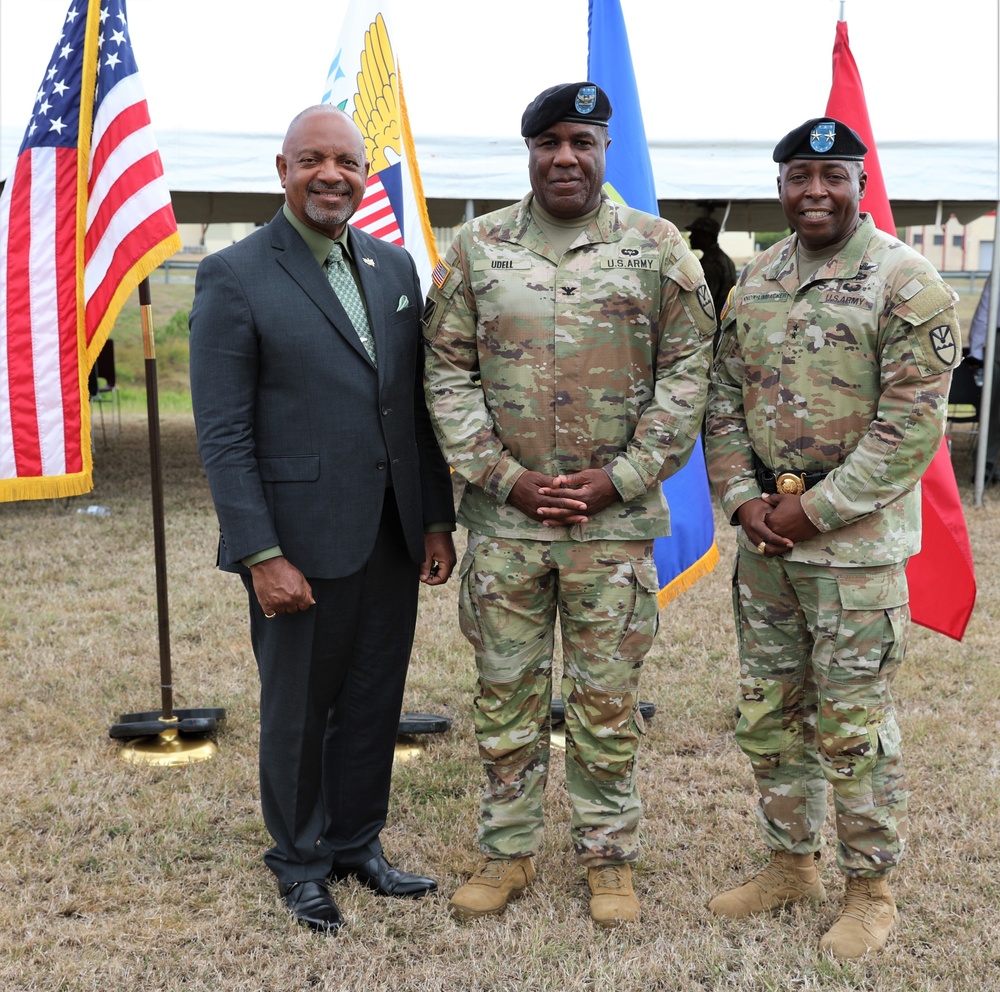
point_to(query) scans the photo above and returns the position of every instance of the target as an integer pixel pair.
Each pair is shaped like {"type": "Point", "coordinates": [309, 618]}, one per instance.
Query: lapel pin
{"type": "Point", "coordinates": [369, 261]}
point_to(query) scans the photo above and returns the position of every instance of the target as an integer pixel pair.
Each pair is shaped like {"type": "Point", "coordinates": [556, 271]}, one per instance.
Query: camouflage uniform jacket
{"type": "Point", "coordinates": [847, 374]}
{"type": "Point", "coordinates": [595, 360]}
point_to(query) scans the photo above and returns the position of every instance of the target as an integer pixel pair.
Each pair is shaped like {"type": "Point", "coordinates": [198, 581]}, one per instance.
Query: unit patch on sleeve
{"type": "Point", "coordinates": [943, 343]}
{"type": "Point", "coordinates": [705, 299]}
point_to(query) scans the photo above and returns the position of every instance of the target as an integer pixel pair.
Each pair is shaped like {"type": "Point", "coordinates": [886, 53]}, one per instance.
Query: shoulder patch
{"type": "Point", "coordinates": [427, 318]}
{"type": "Point", "coordinates": [944, 345]}
{"type": "Point", "coordinates": [705, 301]}
{"type": "Point", "coordinates": [727, 305]}
{"type": "Point", "coordinates": [930, 311]}
{"type": "Point", "coordinates": [440, 273]}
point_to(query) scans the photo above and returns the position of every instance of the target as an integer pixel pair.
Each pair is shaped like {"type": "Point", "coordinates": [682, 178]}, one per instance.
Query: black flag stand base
{"type": "Point", "coordinates": [169, 746]}
{"type": "Point", "coordinates": [153, 740]}
{"type": "Point", "coordinates": [165, 736]}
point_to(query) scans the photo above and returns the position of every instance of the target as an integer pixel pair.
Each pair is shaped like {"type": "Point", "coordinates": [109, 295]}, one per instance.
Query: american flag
{"type": "Point", "coordinates": [84, 218]}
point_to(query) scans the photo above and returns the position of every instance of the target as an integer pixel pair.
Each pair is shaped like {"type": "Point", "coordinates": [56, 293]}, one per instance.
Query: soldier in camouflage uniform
{"type": "Point", "coordinates": [569, 343]}
{"type": "Point", "coordinates": [828, 401]}
{"type": "Point", "coordinates": [720, 272]}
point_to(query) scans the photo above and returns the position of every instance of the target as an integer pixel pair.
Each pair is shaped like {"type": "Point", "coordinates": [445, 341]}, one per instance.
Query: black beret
{"type": "Point", "coordinates": [585, 103]}
{"type": "Point", "coordinates": [822, 137]}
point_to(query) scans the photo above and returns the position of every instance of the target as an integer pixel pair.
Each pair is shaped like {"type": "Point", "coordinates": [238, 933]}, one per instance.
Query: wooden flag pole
{"type": "Point", "coordinates": [160, 733]}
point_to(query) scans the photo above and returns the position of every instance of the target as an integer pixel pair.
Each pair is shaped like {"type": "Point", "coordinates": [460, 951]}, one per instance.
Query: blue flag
{"type": "Point", "coordinates": [690, 551]}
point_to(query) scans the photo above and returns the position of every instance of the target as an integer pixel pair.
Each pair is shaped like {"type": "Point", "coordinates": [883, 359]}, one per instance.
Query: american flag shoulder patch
{"type": "Point", "coordinates": [440, 273]}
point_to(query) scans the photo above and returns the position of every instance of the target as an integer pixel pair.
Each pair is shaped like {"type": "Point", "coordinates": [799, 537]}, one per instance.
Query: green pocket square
{"type": "Point", "coordinates": [404, 302]}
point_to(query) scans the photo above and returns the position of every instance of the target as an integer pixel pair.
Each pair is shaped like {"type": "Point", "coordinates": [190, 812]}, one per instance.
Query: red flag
{"type": "Point", "coordinates": [84, 218]}
{"type": "Point", "coordinates": [941, 577]}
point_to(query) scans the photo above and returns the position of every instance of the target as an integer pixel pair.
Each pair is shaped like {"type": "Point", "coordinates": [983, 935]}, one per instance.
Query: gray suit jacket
{"type": "Point", "coordinates": [297, 430]}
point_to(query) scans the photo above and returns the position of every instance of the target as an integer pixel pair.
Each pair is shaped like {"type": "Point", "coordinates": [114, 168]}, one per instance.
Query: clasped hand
{"type": "Point", "coordinates": [563, 500]}
{"type": "Point", "coordinates": [777, 520]}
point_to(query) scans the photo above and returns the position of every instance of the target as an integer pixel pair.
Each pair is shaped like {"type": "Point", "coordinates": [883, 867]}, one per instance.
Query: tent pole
{"type": "Point", "coordinates": [989, 352]}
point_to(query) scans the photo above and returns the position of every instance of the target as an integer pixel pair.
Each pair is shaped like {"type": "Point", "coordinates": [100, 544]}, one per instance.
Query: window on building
{"type": "Point", "coordinates": [938, 239]}
{"type": "Point", "coordinates": [958, 241]}
{"type": "Point", "coordinates": [918, 239]}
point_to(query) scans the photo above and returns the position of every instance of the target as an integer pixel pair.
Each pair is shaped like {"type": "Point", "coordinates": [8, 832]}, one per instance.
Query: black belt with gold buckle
{"type": "Point", "coordinates": [793, 483]}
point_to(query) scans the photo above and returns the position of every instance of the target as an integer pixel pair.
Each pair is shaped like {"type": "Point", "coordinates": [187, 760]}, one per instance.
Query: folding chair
{"type": "Point", "coordinates": [104, 389]}
{"type": "Point", "coordinates": [963, 401]}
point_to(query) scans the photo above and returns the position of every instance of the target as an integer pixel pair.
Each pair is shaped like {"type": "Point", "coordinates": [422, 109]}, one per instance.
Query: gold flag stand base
{"type": "Point", "coordinates": [167, 749]}
{"type": "Point", "coordinates": [407, 749]}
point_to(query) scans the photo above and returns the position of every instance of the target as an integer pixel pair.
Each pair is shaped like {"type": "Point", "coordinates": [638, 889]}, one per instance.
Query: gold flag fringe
{"type": "Point", "coordinates": [695, 571]}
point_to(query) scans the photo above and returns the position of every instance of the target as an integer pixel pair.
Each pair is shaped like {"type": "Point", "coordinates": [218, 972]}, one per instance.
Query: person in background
{"type": "Point", "coordinates": [828, 401]}
{"type": "Point", "coordinates": [720, 272]}
{"type": "Point", "coordinates": [977, 350]}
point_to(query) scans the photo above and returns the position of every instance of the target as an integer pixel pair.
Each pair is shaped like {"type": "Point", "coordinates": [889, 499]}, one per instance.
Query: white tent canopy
{"type": "Point", "coordinates": [223, 177]}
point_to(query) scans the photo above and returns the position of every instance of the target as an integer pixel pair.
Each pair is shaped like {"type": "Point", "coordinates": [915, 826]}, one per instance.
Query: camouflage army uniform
{"type": "Point", "coordinates": [848, 374]}
{"type": "Point", "coordinates": [597, 359]}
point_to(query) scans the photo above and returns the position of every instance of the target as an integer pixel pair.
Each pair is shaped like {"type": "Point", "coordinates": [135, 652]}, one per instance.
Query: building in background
{"type": "Point", "coordinates": [953, 246]}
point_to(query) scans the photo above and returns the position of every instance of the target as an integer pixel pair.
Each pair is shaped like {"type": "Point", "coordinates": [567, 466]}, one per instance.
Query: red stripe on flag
{"type": "Point", "coordinates": [20, 364]}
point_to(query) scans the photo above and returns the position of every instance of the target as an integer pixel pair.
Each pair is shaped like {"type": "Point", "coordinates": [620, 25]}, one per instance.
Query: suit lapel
{"type": "Point", "coordinates": [294, 256]}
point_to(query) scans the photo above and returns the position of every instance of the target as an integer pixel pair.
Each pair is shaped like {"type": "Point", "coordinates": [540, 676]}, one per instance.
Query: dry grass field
{"type": "Point", "coordinates": [121, 877]}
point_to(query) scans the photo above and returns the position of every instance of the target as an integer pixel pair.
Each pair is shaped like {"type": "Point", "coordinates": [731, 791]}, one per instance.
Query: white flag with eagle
{"type": "Point", "coordinates": [364, 80]}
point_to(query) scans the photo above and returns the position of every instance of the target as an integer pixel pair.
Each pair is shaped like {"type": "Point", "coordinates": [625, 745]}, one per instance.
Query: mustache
{"type": "Point", "coordinates": [320, 187]}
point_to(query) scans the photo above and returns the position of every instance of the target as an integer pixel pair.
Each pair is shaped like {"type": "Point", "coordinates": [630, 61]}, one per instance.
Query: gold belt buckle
{"type": "Point", "coordinates": [789, 482]}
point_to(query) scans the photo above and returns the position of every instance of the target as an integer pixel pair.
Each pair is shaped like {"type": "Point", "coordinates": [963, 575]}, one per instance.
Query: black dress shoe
{"type": "Point", "coordinates": [312, 904]}
{"type": "Point", "coordinates": [378, 875]}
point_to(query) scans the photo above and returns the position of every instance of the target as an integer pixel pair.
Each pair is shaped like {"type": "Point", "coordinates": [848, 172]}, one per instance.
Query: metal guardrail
{"type": "Point", "coordinates": [955, 276]}
{"type": "Point", "coordinates": [177, 265]}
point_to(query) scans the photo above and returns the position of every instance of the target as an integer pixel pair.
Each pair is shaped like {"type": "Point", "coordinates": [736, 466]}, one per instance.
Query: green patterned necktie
{"type": "Point", "coordinates": [339, 275]}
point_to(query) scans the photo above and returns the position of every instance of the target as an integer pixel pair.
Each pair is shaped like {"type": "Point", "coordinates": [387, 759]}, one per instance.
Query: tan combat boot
{"type": "Point", "coordinates": [788, 878]}
{"type": "Point", "coordinates": [865, 921]}
{"type": "Point", "coordinates": [497, 881]}
{"type": "Point", "coordinates": [612, 899]}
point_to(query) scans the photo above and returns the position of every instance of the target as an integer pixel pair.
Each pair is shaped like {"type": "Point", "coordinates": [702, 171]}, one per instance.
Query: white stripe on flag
{"type": "Point", "coordinates": [45, 350]}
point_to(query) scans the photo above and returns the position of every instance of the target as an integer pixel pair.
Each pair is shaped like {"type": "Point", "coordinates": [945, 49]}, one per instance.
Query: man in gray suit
{"type": "Point", "coordinates": [333, 500]}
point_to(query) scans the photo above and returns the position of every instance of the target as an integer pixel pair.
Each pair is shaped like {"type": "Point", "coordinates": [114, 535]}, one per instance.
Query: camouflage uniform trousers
{"type": "Point", "coordinates": [605, 595]}
{"type": "Point", "coordinates": [819, 647]}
